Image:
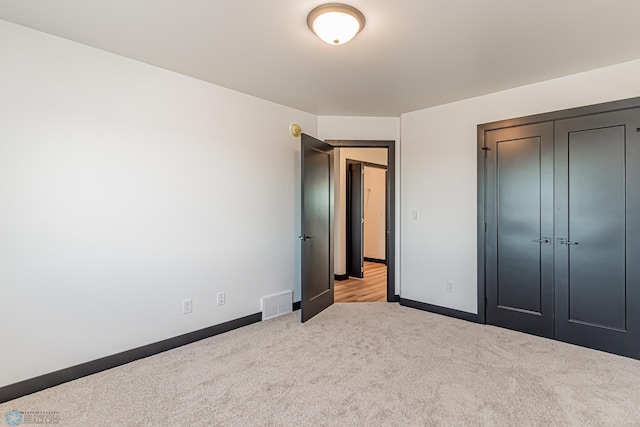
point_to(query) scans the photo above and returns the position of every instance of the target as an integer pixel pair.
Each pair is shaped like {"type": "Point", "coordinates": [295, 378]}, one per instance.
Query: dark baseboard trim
{"type": "Point", "coordinates": [376, 260]}
{"type": "Point", "coordinates": [297, 305]}
{"type": "Point", "coordinates": [23, 388]}
{"type": "Point", "coordinates": [393, 298]}
{"type": "Point", "coordinates": [440, 310]}
{"type": "Point", "coordinates": [340, 277]}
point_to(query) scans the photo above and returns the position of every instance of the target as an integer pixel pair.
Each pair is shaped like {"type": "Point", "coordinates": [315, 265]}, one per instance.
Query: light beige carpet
{"type": "Point", "coordinates": [366, 364]}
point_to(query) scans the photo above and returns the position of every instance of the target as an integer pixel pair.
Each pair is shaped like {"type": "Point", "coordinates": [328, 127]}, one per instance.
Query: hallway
{"type": "Point", "coordinates": [373, 288]}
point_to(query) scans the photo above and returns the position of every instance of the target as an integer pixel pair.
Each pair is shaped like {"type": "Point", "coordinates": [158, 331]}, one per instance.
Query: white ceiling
{"type": "Point", "coordinates": [412, 54]}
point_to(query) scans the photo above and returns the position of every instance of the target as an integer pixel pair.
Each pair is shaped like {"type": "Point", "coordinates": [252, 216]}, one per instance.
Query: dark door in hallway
{"type": "Point", "coordinates": [355, 220]}
{"type": "Point", "coordinates": [317, 226]}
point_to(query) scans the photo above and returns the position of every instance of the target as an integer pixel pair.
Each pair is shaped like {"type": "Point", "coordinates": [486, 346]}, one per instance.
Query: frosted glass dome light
{"type": "Point", "coordinates": [335, 23]}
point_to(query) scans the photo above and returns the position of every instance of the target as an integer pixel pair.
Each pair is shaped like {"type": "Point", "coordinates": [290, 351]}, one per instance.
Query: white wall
{"type": "Point", "coordinates": [368, 128]}
{"type": "Point", "coordinates": [125, 189]}
{"type": "Point", "coordinates": [374, 212]}
{"type": "Point", "coordinates": [363, 128]}
{"type": "Point", "coordinates": [439, 176]}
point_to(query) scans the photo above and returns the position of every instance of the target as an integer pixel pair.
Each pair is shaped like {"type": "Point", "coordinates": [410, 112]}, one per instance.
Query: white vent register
{"type": "Point", "coordinates": [277, 304]}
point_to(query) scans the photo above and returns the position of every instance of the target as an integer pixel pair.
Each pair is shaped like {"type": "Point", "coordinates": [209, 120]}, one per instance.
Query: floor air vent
{"type": "Point", "coordinates": [277, 304]}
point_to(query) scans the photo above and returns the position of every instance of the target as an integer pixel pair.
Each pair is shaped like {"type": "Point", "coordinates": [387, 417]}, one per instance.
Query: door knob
{"type": "Point", "coordinates": [544, 240]}
{"type": "Point", "coordinates": [305, 237]}
{"type": "Point", "coordinates": [566, 242]}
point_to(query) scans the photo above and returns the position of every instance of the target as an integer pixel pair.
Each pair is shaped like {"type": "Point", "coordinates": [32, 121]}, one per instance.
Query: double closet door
{"type": "Point", "coordinates": [562, 239]}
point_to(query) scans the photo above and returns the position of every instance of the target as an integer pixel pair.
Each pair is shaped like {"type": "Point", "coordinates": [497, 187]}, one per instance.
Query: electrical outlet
{"type": "Point", "coordinates": [415, 214]}
{"type": "Point", "coordinates": [221, 298]}
{"type": "Point", "coordinates": [187, 306]}
{"type": "Point", "coordinates": [449, 286]}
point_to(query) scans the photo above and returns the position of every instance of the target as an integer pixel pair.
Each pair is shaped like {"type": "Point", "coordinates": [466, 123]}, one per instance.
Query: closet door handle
{"type": "Point", "coordinates": [566, 242]}
{"type": "Point", "coordinates": [544, 240]}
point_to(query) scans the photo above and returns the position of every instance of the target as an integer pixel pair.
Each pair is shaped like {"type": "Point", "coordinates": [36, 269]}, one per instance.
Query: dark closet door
{"type": "Point", "coordinates": [519, 229]}
{"type": "Point", "coordinates": [598, 231]}
{"type": "Point", "coordinates": [355, 220]}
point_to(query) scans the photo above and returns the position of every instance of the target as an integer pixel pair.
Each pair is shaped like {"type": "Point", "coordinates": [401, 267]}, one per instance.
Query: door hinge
{"type": "Point", "coordinates": [485, 227]}
{"type": "Point", "coordinates": [361, 269]}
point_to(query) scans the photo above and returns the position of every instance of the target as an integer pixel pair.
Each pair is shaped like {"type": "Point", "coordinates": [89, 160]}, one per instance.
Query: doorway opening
{"type": "Point", "coordinates": [364, 209]}
{"type": "Point", "coordinates": [318, 234]}
{"type": "Point", "coordinates": [364, 221]}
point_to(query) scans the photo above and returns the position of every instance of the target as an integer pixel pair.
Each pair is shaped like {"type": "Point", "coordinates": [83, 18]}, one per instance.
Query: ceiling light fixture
{"type": "Point", "coordinates": [335, 23]}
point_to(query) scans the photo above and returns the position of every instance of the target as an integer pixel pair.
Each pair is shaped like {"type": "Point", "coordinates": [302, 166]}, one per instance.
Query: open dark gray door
{"type": "Point", "coordinates": [317, 226]}
{"type": "Point", "coordinates": [355, 220]}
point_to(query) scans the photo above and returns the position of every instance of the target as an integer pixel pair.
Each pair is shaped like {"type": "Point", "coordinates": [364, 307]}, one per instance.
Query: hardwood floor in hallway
{"type": "Point", "coordinates": [373, 288]}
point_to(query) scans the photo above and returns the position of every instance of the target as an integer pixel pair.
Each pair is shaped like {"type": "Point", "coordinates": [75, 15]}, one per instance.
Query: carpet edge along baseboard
{"type": "Point", "coordinates": [450, 312]}
{"type": "Point", "coordinates": [52, 379]}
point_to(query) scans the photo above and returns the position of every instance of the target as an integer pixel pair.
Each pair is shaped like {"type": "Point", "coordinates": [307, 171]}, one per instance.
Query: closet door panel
{"type": "Point", "coordinates": [597, 284]}
{"type": "Point", "coordinates": [519, 195]}
{"type": "Point", "coordinates": [596, 220]}
{"type": "Point", "coordinates": [519, 213]}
